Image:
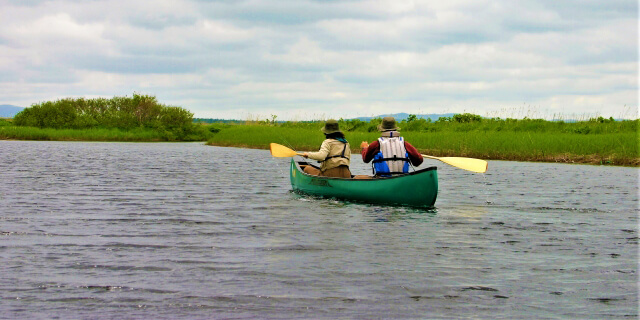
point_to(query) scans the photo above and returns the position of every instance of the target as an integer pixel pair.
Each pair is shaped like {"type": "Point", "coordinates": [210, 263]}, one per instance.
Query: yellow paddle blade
{"type": "Point", "coordinates": [280, 151]}
{"type": "Point", "coordinates": [470, 164]}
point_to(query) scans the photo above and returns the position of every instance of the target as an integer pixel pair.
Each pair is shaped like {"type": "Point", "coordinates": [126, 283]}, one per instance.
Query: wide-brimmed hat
{"type": "Point", "coordinates": [331, 126]}
{"type": "Point", "coordinates": [388, 124]}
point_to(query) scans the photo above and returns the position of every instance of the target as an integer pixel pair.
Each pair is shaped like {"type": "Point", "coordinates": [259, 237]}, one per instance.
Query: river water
{"type": "Point", "coordinates": [183, 230]}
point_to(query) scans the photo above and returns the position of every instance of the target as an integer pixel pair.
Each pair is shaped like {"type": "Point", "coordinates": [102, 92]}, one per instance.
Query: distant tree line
{"type": "Point", "coordinates": [118, 112]}
{"type": "Point", "coordinates": [210, 120]}
{"type": "Point", "coordinates": [466, 122]}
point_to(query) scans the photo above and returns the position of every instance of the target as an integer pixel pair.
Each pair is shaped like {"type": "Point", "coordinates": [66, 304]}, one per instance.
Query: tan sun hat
{"type": "Point", "coordinates": [388, 124]}
{"type": "Point", "coordinates": [331, 126]}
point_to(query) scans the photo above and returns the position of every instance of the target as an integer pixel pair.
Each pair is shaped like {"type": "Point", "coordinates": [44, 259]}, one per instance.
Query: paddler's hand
{"type": "Point", "coordinates": [306, 155]}
{"type": "Point", "coordinates": [364, 145]}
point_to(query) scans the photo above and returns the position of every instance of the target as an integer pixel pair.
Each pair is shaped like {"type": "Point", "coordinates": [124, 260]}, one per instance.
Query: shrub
{"type": "Point", "coordinates": [466, 118]}
{"type": "Point", "coordinates": [138, 111]}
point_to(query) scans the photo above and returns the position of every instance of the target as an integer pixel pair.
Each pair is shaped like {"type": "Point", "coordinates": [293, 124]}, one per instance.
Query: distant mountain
{"type": "Point", "coordinates": [9, 111]}
{"type": "Point", "coordinates": [403, 116]}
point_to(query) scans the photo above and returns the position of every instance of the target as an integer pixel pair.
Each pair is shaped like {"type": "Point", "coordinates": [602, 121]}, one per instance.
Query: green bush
{"type": "Point", "coordinates": [138, 111]}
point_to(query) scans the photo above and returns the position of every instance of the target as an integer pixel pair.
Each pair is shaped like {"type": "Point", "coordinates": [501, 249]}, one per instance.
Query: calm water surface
{"type": "Point", "coordinates": [183, 230]}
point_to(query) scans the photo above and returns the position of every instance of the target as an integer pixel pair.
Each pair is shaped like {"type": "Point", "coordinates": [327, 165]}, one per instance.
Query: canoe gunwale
{"type": "Point", "coordinates": [298, 163]}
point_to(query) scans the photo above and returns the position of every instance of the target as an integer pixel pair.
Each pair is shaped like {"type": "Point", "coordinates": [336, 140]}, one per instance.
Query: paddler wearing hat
{"type": "Point", "coordinates": [334, 154]}
{"type": "Point", "coordinates": [391, 155]}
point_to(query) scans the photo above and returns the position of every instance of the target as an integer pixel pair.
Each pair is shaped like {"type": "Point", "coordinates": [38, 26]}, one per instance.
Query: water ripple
{"type": "Point", "coordinates": [182, 230]}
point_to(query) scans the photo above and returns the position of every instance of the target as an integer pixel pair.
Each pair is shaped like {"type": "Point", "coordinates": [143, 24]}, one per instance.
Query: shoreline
{"type": "Point", "coordinates": [564, 158]}
{"type": "Point", "coordinates": [607, 148]}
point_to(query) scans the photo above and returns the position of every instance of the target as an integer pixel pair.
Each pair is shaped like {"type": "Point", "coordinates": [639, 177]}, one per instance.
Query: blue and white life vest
{"type": "Point", "coordinates": [392, 158]}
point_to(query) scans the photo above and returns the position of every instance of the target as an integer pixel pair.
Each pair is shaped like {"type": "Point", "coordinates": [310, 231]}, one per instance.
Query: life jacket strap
{"type": "Point", "coordinates": [395, 158]}
{"type": "Point", "coordinates": [338, 156]}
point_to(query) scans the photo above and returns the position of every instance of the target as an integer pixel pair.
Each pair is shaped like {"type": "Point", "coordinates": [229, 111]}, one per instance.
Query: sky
{"type": "Point", "coordinates": [313, 60]}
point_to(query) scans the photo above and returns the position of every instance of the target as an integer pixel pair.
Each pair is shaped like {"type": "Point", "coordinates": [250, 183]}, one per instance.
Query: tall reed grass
{"type": "Point", "coordinates": [617, 148]}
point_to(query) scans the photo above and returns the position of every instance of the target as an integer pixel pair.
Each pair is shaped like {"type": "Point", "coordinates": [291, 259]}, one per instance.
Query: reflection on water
{"type": "Point", "coordinates": [182, 230]}
{"type": "Point", "coordinates": [467, 211]}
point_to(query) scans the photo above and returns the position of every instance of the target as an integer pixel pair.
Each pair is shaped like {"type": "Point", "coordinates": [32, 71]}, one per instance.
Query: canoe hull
{"type": "Point", "coordinates": [416, 189]}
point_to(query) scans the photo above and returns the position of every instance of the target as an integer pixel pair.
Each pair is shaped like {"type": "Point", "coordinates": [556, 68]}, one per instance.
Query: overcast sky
{"type": "Point", "coordinates": [305, 59]}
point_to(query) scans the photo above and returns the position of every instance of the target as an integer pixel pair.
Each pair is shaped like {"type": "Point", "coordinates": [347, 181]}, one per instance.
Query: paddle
{"type": "Point", "coordinates": [470, 164]}
{"type": "Point", "coordinates": [280, 151]}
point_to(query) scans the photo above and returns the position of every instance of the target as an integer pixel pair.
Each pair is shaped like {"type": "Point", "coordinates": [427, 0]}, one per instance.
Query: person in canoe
{"type": "Point", "coordinates": [334, 154]}
{"type": "Point", "coordinates": [391, 154]}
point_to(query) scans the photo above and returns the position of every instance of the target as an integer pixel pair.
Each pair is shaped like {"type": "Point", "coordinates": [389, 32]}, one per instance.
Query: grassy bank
{"type": "Point", "coordinates": [593, 141]}
{"type": "Point", "coordinates": [612, 147]}
{"type": "Point", "coordinates": [92, 134]}
{"type": "Point", "coordinates": [135, 118]}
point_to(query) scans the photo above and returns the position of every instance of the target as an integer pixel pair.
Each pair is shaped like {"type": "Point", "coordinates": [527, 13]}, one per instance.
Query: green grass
{"type": "Point", "coordinates": [619, 148]}
{"type": "Point", "coordinates": [94, 134]}
{"type": "Point", "coordinates": [596, 141]}
{"type": "Point", "coordinates": [259, 137]}
{"type": "Point", "coordinates": [613, 148]}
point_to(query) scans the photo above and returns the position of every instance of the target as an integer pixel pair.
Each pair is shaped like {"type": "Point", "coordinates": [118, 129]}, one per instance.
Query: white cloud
{"type": "Point", "coordinates": [47, 38]}
{"type": "Point", "coordinates": [57, 27]}
{"type": "Point", "coordinates": [296, 58]}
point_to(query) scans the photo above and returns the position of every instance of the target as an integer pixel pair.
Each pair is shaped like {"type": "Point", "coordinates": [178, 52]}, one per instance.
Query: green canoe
{"type": "Point", "coordinates": [415, 189]}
